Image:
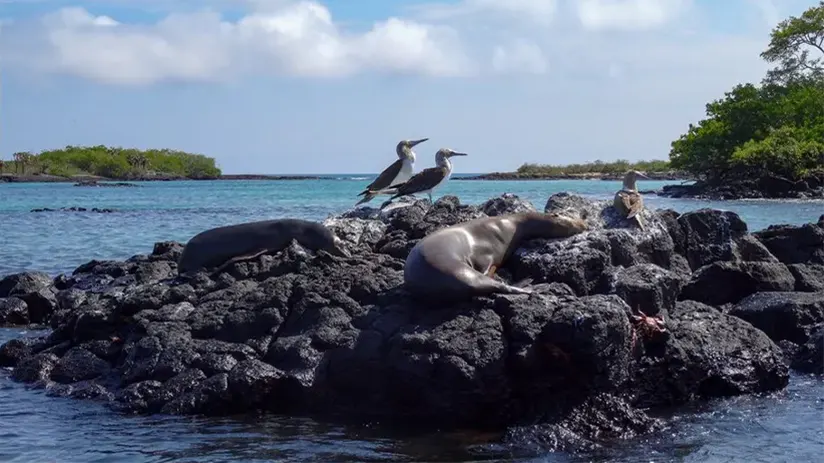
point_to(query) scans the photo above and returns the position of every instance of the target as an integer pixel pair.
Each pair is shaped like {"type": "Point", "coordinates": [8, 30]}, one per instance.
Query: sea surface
{"type": "Point", "coordinates": [785, 426]}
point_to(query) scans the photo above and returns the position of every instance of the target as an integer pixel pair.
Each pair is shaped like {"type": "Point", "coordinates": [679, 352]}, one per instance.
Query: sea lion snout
{"type": "Point", "coordinates": [337, 248]}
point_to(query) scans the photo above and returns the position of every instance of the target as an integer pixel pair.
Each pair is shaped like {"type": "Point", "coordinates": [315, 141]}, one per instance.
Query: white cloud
{"type": "Point", "coordinates": [769, 11]}
{"type": "Point", "coordinates": [301, 38]}
{"type": "Point", "coordinates": [519, 56]}
{"type": "Point", "coordinates": [296, 38]}
{"type": "Point", "coordinates": [537, 11]}
{"type": "Point", "coordinates": [628, 14]}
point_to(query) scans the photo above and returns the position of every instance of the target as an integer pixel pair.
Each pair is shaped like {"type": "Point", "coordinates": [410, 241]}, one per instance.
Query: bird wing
{"type": "Point", "coordinates": [633, 203]}
{"type": "Point", "coordinates": [423, 180]}
{"type": "Point", "coordinates": [385, 177]}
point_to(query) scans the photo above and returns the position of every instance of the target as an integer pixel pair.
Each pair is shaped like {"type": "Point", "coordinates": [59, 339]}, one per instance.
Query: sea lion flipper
{"type": "Point", "coordinates": [236, 259]}
{"type": "Point", "coordinates": [523, 283]}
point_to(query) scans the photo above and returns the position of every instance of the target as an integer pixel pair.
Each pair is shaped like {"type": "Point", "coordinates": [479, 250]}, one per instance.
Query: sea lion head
{"type": "Point", "coordinates": [317, 236]}
{"type": "Point", "coordinates": [563, 225]}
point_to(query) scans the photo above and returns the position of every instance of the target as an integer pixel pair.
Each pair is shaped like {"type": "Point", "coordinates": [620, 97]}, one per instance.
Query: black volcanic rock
{"type": "Point", "coordinates": [306, 333]}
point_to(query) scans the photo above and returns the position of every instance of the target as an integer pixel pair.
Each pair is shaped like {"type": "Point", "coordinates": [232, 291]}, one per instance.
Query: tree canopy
{"type": "Point", "coordinates": [797, 46]}
{"type": "Point", "coordinates": [116, 163]}
{"type": "Point", "coordinates": [616, 167]}
{"type": "Point", "coordinates": [776, 128]}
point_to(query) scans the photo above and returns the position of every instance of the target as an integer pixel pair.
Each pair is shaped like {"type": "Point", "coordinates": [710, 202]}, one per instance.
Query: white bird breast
{"type": "Point", "coordinates": [407, 170]}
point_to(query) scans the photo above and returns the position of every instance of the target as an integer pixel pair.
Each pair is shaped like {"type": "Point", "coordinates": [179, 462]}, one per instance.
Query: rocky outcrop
{"type": "Point", "coordinates": [666, 175]}
{"type": "Point", "coordinates": [308, 333]}
{"type": "Point", "coordinates": [769, 186]}
{"type": "Point", "coordinates": [790, 316]}
{"type": "Point", "coordinates": [794, 245]}
{"type": "Point", "coordinates": [809, 357]}
{"type": "Point", "coordinates": [74, 209]}
{"type": "Point", "coordinates": [794, 320]}
{"type": "Point", "coordinates": [95, 183]}
{"type": "Point", "coordinates": [26, 298]}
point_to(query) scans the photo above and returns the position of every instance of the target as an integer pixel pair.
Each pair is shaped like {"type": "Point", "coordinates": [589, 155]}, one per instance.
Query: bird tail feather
{"type": "Point", "coordinates": [368, 197]}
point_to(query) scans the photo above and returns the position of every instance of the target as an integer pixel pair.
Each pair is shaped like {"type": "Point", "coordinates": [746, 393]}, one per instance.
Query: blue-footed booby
{"type": "Point", "coordinates": [628, 201]}
{"type": "Point", "coordinates": [427, 180]}
{"type": "Point", "coordinates": [398, 172]}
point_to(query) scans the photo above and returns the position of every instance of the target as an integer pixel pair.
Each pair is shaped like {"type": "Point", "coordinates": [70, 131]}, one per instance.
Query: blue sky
{"type": "Point", "coordinates": [283, 86]}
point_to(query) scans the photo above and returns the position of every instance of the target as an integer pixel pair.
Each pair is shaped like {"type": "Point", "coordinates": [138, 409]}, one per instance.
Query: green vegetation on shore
{"type": "Point", "coordinates": [772, 129]}
{"type": "Point", "coordinates": [618, 167]}
{"type": "Point", "coordinates": [113, 163]}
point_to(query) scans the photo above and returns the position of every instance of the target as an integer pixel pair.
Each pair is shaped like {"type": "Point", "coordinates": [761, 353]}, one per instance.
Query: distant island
{"type": "Point", "coordinates": [597, 170]}
{"type": "Point", "coordinates": [88, 165]}
{"type": "Point", "coordinates": [74, 163]}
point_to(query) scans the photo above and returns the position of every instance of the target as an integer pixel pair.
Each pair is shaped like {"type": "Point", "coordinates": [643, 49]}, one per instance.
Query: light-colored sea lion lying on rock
{"type": "Point", "coordinates": [458, 262]}
{"type": "Point", "coordinates": [222, 246]}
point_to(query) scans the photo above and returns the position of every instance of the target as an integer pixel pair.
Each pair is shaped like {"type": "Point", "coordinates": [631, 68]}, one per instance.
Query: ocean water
{"type": "Point", "coordinates": [785, 426]}
{"type": "Point", "coordinates": [57, 242]}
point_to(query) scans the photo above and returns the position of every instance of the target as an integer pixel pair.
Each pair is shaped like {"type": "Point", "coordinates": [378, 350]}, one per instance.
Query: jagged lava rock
{"type": "Point", "coordinates": [794, 245]}
{"type": "Point", "coordinates": [787, 316]}
{"type": "Point", "coordinates": [708, 354]}
{"type": "Point", "coordinates": [808, 277]}
{"type": "Point", "coordinates": [34, 290]}
{"type": "Point", "coordinates": [309, 333]}
{"type": "Point", "coordinates": [809, 358]}
{"type": "Point", "coordinates": [728, 282]}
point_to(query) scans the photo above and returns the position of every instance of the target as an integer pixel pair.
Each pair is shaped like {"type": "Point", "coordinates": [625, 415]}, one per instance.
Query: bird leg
{"type": "Point", "coordinates": [491, 271]}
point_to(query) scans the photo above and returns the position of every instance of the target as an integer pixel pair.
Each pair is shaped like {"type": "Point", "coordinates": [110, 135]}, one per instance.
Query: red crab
{"type": "Point", "coordinates": [649, 327]}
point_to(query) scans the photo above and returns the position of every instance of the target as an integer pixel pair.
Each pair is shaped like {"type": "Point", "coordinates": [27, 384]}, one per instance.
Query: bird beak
{"type": "Point", "coordinates": [640, 175]}
{"type": "Point", "coordinates": [415, 142]}
{"type": "Point", "coordinates": [457, 154]}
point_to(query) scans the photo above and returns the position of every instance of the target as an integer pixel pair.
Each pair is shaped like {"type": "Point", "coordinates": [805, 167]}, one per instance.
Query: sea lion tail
{"type": "Point", "coordinates": [490, 285]}
{"type": "Point", "coordinates": [523, 283]}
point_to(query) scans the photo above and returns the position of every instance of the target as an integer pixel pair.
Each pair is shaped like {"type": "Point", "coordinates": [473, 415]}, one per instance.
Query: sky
{"type": "Point", "coordinates": [298, 87]}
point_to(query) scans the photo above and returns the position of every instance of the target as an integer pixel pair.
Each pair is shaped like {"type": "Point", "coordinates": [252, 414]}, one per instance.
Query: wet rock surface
{"type": "Point", "coordinates": [306, 333]}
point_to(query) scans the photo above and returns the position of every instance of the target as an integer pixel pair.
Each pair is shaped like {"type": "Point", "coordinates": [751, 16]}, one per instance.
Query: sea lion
{"type": "Point", "coordinates": [222, 246]}
{"type": "Point", "coordinates": [628, 201]}
{"type": "Point", "coordinates": [457, 262]}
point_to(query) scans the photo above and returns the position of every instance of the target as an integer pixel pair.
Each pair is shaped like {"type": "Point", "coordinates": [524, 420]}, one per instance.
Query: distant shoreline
{"type": "Point", "coordinates": [92, 179]}
{"type": "Point", "coordinates": [582, 176]}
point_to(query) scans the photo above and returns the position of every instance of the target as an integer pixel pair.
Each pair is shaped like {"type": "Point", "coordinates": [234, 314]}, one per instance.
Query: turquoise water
{"type": "Point", "coordinates": [787, 426]}
{"type": "Point", "coordinates": [157, 211]}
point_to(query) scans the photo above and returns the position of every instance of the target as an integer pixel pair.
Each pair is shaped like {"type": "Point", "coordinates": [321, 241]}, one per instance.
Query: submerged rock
{"type": "Point", "coordinates": [308, 333]}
